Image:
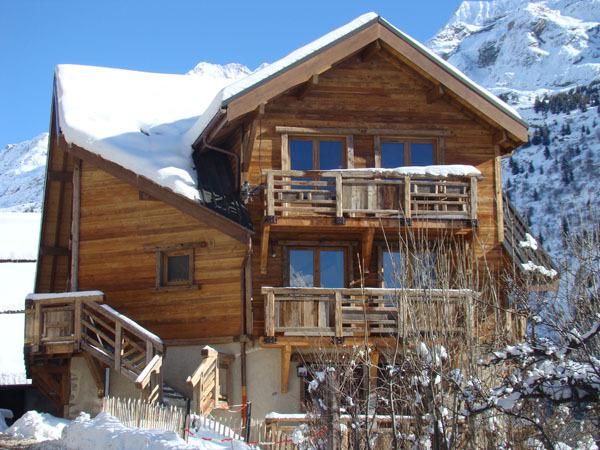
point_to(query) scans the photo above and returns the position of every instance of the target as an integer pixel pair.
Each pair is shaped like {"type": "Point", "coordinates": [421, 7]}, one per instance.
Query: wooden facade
{"type": "Point", "coordinates": [106, 228]}
{"type": "Point", "coordinates": [363, 101]}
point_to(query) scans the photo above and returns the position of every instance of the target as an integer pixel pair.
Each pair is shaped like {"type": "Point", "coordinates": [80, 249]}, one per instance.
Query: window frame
{"type": "Point", "coordinates": [316, 149]}
{"type": "Point", "coordinates": [164, 275]}
{"type": "Point", "coordinates": [408, 264]}
{"type": "Point", "coordinates": [345, 248]}
{"type": "Point", "coordinates": [407, 142]}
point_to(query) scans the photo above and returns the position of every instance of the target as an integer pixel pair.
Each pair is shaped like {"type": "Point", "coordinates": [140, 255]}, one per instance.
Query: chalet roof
{"type": "Point", "coordinates": [147, 122]}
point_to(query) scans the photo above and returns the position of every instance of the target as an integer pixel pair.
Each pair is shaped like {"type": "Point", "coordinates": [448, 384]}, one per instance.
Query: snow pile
{"type": "Point", "coordinates": [105, 431]}
{"type": "Point", "coordinates": [137, 119]}
{"type": "Point", "coordinates": [529, 266]}
{"type": "Point", "coordinates": [19, 235]}
{"type": "Point", "coordinates": [22, 172]}
{"type": "Point", "coordinates": [457, 170]}
{"type": "Point", "coordinates": [529, 242]}
{"type": "Point", "coordinates": [38, 426]}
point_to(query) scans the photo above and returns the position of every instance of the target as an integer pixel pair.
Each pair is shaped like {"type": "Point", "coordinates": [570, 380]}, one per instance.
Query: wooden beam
{"type": "Point", "coordinates": [261, 108]}
{"type": "Point", "coordinates": [60, 175]}
{"type": "Point", "coordinates": [367, 248]}
{"type": "Point", "coordinates": [432, 132]}
{"type": "Point", "coordinates": [370, 51]}
{"type": "Point", "coordinates": [48, 250]}
{"type": "Point", "coordinates": [286, 357]}
{"type": "Point", "coordinates": [350, 151]}
{"type": "Point", "coordinates": [435, 94]}
{"type": "Point", "coordinates": [498, 193]}
{"type": "Point", "coordinates": [501, 138]}
{"type": "Point", "coordinates": [306, 86]}
{"type": "Point", "coordinates": [248, 144]}
{"type": "Point", "coordinates": [264, 248]}
{"type": "Point", "coordinates": [75, 213]}
{"type": "Point", "coordinates": [374, 356]}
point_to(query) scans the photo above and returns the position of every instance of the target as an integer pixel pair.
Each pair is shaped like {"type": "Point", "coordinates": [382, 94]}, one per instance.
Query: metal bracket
{"type": "Point", "coordinates": [338, 340]}
{"type": "Point", "coordinates": [339, 221]}
{"type": "Point", "coordinates": [474, 223]}
{"type": "Point", "coordinates": [270, 340]}
{"type": "Point", "coordinates": [406, 221]}
{"type": "Point", "coordinates": [270, 219]}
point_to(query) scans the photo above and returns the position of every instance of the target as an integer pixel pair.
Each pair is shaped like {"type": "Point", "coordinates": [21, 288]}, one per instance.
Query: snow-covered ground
{"type": "Point", "coordinates": [19, 234]}
{"type": "Point", "coordinates": [107, 432]}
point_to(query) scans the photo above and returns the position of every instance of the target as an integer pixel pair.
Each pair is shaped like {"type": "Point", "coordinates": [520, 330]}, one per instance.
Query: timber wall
{"type": "Point", "coordinates": [379, 93]}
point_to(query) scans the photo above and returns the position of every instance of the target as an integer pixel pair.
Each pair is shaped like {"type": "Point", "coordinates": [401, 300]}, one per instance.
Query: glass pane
{"type": "Point", "coordinates": [392, 155]}
{"type": "Point", "coordinates": [332, 268]}
{"type": "Point", "coordinates": [424, 270]}
{"type": "Point", "coordinates": [178, 268]}
{"type": "Point", "coordinates": [421, 154]}
{"type": "Point", "coordinates": [393, 270]}
{"type": "Point", "coordinates": [301, 155]}
{"type": "Point", "coordinates": [330, 155]}
{"type": "Point", "coordinates": [301, 268]}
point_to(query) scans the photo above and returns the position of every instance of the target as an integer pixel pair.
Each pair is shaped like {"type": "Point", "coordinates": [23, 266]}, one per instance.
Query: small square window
{"type": "Point", "coordinates": [177, 268]}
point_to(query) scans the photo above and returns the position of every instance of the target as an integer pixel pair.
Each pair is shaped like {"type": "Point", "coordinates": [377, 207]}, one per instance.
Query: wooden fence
{"type": "Point", "coordinates": [142, 414]}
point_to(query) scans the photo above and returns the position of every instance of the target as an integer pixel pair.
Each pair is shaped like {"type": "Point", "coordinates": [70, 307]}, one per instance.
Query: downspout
{"type": "Point", "coordinates": [245, 332]}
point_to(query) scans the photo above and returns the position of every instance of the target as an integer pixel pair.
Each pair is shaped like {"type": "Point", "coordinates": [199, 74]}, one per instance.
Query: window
{"type": "Point", "coordinates": [316, 154]}
{"type": "Point", "coordinates": [177, 268]}
{"type": "Point", "coordinates": [398, 153]}
{"type": "Point", "coordinates": [317, 267]}
{"type": "Point", "coordinates": [417, 270]}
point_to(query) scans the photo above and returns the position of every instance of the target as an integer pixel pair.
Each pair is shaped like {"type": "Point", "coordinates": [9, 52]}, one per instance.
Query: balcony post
{"type": "Point", "coordinates": [270, 314]}
{"type": "Point", "coordinates": [338, 315]}
{"type": "Point", "coordinates": [473, 199]}
{"type": "Point", "coordinates": [270, 197]}
{"type": "Point", "coordinates": [407, 205]}
{"type": "Point", "coordinates": [339, 211]}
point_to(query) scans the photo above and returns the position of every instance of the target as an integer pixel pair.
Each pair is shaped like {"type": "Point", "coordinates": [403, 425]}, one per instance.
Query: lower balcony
{"type": "Point", "coordinates": [345, 313]}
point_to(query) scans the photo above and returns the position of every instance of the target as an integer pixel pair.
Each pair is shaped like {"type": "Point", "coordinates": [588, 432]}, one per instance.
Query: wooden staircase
{"type": "Point", "coordinates": [205, 383]}
{"type": "Point", "coordinates": [58, 326]}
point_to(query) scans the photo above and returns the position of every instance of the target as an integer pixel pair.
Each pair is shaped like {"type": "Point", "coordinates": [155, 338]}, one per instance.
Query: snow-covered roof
{"type": "Point", "coordinates": [147, 122]}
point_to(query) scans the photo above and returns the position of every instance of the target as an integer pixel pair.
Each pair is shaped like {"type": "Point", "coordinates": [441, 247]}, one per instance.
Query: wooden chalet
{"type": "Point", "coordinates": [304, 172]}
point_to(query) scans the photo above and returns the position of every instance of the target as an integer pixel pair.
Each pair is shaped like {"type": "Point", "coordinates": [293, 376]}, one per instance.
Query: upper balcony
{"type": "Point", "coordinates": [365, 197]}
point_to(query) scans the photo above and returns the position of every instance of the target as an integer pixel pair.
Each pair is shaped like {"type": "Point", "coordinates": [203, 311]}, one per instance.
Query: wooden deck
{"type": "Point", "coordinates": [342, 313]}
{"type": "Point", "coordinates": [343, 195]}
{"type": "Point", "coordinates": [61, 325]}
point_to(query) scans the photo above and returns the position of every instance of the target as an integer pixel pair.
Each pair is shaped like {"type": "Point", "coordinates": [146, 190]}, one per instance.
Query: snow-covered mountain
{"type": "Point", "coordinates": [231, 71]}
{"type": "Point", "coordinates": [550, 50]}
{"type": "Point", "coordinates": [22, 171]}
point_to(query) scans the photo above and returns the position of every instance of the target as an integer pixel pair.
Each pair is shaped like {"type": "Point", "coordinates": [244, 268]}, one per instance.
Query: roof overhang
{"type": "Point", "coordinates": [512, 129]}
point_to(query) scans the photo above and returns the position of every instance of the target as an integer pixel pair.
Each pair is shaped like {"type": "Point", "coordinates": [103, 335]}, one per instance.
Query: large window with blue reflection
{"type": "Point", "coordinates": [316, 154]}
{"type": "Point", "coordinates": [398, 153]}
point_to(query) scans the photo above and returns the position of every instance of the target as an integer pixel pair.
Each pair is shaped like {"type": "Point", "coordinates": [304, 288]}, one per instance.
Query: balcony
{"type": "Point", "coordinates": [343, 313]}
{"type": "Point", "coordinates": [357, 195]}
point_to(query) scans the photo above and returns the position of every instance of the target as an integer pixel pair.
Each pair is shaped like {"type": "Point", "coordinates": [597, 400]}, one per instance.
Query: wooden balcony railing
{"type": "Point", "coordinates": [373, 311]}
{"type": "Point", "coordinates": [58, 324]}
{"type": "Point", "coordinates": [344, 194]}
{"type": "Point", "coordinates": [205, 382]}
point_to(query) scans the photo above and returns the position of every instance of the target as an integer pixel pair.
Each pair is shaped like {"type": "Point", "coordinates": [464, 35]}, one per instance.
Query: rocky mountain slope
{"type": "Point", "coordinates": [543, 57]}
{"type": "Point", "coordinates": [22, 171]}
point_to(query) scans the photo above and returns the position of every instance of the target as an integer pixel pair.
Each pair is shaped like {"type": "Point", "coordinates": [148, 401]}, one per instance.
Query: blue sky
{"type": "Point", "coordinates": [165, 36]}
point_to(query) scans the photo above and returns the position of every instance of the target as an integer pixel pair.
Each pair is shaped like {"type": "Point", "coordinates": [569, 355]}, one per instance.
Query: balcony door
{"type": "Point", "coordinates": [315, 267]}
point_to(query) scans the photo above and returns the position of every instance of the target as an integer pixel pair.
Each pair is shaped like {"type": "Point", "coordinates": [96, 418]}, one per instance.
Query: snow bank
{"type": "Point", "coordinates": [107, 432]}
{"type": "Point", "coordinates": [19, 235]}
{"type": "Point", "coordinates": [38, 426]}
{"type": "Point", "coordinates": [458, 170]}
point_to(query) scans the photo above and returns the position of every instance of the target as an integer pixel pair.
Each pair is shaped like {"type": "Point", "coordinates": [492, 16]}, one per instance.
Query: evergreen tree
{"type": "Point", "coordinates": [547, 152]}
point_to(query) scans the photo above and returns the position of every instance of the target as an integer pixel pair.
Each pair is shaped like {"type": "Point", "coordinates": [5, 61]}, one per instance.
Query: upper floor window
{"type": "Point", "coordinates": [398, 153]}
{"type": "Point", "coordinates": [417, 269]}
{"type": "Point", "coordinates": [317, 267]}
{"type": "Point", "coordinates": [316, 153]}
